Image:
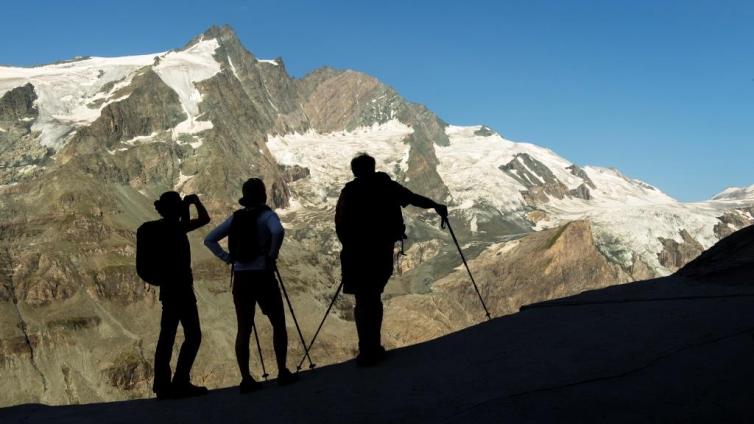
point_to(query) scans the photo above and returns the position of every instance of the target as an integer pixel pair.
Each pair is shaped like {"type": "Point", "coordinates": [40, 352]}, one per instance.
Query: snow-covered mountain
{"type": "Point", "coordinates": [87, 145]}
{"type": "Point", "coordinates": [489, 177]}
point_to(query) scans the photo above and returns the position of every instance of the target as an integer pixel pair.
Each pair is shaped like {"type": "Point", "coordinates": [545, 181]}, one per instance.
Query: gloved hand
{"type": "Point", "coordinates": [441, 210]}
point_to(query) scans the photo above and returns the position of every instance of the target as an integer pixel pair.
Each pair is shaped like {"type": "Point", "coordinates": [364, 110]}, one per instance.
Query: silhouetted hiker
{"type": "Point", "coordinates": [163, 258]}
{"type": "Point", "coordinates": [369, 221]}
{"type": "Point", "coordinates": [254, 239]}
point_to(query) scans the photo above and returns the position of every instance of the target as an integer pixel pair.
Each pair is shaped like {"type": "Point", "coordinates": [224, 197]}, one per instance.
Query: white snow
{"type": "Point", "coordinates": [233, 68]}
{"type": "Point", "coordinates": [66, 90]}
{"type": "Point", "coordinates": [624, 212]}
{"type": "Point", "coordinates": [268, 61]}
{"type": "Point", "coordinates": [735, 193]}
{"type": "Point", "coordinates": [470, 167]}
{"type": "Point", "coordinates": [328, 156]}
{"type": "Point", "coordinates": [182, 179]}
{"type": "Point", "coordinates": [181, 70]}
{"type": "Point", "coordinates": [2, 129]}
{"type": "Point", "coordinates": [141, 139]}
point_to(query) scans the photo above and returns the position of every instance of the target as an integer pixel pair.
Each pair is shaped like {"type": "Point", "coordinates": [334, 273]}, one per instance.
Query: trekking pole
{"type": "Point", "coordinates": [321, 323]}
{"type": "Point", "coordinates": [463, 258]}
{"type": "Point", "coordinates": [259, 348]}
{"type": "Point", "coordinates": [295, 321]}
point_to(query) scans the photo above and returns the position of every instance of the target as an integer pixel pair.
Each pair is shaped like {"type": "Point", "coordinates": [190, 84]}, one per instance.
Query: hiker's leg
{"type": "Point", "coordinates": [271, 303]}
{"type": "Point", "coordinates": [245, 320]}
{"type": "Point", "coordinates": [378, 312]}
{"type": "Point", "coordinates": [164, 350]}
{"type": "Point", "coordinates": [374, 321]}
{"type": "Point", "coordinates": [192, 333]}
{"type": "Point", "coordinates": [360, 317]}
{"type": "Point", "coordinates": [368, 317]}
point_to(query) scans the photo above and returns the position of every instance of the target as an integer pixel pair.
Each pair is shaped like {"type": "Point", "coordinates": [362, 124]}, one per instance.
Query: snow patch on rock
{"type": "Point", "coordinates": [233, 68]}
{"type": "Point", "coordinates": [268, 61]}
{"type": "Point", "coordinates": [181, 70]}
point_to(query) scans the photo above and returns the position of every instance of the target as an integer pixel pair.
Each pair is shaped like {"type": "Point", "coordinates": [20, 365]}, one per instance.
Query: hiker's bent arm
{"type": "Point", "coordinates": [203, 218]}
{"type": "Point", "coordinates": [212, 239]}
{"type": "Point", "coordinates": [276, 236]}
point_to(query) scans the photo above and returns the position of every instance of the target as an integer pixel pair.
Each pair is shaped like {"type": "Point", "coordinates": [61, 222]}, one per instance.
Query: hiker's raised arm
{"type": "Point", "coordinates": [203, 216]}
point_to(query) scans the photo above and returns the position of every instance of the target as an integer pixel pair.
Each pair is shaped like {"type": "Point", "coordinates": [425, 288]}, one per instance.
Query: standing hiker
{"type": "Point", "coordinates": [369, 221]}
{"type": "Point", "coordinates": [254, 239]}
{"type": "Point", "coordinates": [163, 258]}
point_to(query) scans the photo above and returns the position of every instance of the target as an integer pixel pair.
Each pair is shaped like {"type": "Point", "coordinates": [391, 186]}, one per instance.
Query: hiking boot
{"type": "Point", "coordinates": [249, 385]}
{"type": "Point", "coordinates": [367, 359]}
{"type": "Point", "coordinates": [286, 377]}
{"type": "Point", "coordinates": [186, 390]}
{"type": "Point", "coordinates": [163, 394]}
{"type": "Point", "coordinates": [371, 357]}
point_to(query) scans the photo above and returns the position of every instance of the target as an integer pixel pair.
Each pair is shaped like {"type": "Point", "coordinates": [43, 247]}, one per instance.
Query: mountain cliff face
{"type": "Point", "coordinates": [87, 145]}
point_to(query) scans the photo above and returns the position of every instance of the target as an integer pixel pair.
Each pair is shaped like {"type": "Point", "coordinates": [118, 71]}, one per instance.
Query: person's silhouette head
{"type": "Point", "coordinates": [254, 193]}
{"type": "Point", "coordinates": [362, 165]}
{"type": "Point", "coordinates": [169, 205]}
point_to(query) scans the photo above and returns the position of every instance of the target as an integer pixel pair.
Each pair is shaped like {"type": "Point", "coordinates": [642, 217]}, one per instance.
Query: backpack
{"type": "Point", "coordinates": [147, 264]}
{"type": "Point", "coordinates": [370, 210]}
{"type": "Point", "coordinates": [244, 242]}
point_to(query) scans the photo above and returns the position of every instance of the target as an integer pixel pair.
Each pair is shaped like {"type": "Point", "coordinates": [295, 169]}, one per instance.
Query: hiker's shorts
{"type": "Point", "coordinates": [250, 287]}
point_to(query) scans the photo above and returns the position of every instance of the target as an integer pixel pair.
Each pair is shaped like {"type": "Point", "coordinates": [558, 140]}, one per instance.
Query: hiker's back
{"type": "Point", "coordinates": [369, 211]}
{"type": "Point", "coordinates": [249, 237]}
{"type": "Point", "coordinates": [164, 256]}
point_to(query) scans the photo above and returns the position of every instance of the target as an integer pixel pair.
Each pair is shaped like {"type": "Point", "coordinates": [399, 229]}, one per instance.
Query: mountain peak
{"type": "Point", "coordinates": [224, 34]}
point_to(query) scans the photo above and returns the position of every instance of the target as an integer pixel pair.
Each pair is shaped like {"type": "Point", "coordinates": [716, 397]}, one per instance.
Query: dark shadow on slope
{"type": "Point", "coordinates": [730, 261]}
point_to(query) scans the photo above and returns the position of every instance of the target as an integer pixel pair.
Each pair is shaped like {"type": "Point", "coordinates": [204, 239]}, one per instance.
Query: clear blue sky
{"type": "Point", "coordinates": [662, 90]}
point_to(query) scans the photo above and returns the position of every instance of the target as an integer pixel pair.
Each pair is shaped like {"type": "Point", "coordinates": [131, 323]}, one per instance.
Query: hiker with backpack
{"type": "Point", "coordinates": [369, 221]}
{"type": "Point", "coordinates": [163, 258]}
{"type": "Point", "coordinates": [255, 235]}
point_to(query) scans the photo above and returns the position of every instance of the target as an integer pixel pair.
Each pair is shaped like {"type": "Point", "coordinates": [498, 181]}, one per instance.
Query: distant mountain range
{"type": "Point", "coordinates": [87, 145]}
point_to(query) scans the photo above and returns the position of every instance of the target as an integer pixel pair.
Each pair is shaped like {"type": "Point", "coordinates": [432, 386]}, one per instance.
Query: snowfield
{"type": "Point", "coordinates": [73, 94]}
{"type": "Point", "coordinates": [181, 70]}
{"type": "Point", "coordinates": [67, 91]}
{"type": "Point", "coordinates": [628, 216]}
{"type": "Point", "coordinates": [328, 156]}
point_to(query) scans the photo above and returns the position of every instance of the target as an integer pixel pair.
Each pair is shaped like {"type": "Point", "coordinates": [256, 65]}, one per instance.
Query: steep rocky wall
{"type": "Point", "coordinates": [20, 153]}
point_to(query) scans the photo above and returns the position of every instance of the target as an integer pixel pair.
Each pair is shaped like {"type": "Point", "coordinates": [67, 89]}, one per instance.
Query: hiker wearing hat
{"type": "Point", "coordinates": [254, 238]}
{"type": "Point", "coordinates": [163, 258]}
{"type": "Point", "coordinates": [369, 221]}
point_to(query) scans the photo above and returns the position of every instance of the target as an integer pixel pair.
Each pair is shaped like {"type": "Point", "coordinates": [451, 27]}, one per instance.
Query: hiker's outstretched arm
{"type": "Point", "coordinates": [203, 218]}
{"type": "Point", "coordinates": [212, 239]}
{"type": "Point", "coordinates": [427, 203]}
